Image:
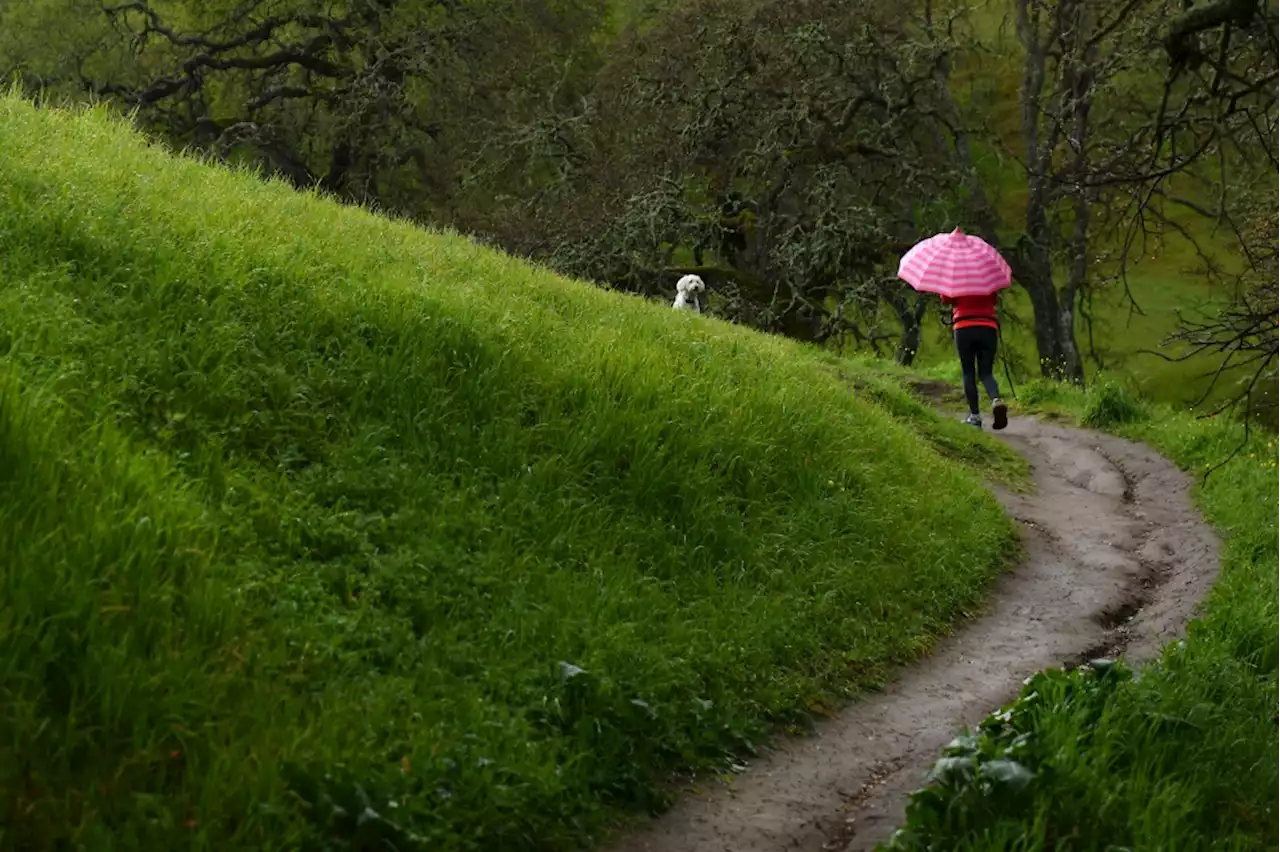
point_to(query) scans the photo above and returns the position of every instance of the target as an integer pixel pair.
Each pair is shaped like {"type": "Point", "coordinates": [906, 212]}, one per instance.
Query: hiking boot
{"type": "Point", "coordinates": [974, 420]}
{"type": "Point", "coordinates": [999, 414]}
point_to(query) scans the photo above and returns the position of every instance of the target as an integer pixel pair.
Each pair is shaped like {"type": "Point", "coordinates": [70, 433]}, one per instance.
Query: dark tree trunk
{"type": "Point", "coordinates": [1079, 80]}
{"type": "Point", "coordinates": [910, 309]}
{"type": "Point", "coordinates": [340, 164]}
{"type": "Point", "coordinates": [909, 343]}
{"type": "Point", "coordinates": [1042, 130]}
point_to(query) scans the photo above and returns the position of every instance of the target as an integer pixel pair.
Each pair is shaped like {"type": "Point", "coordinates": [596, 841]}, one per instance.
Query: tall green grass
{"type": "Point", "coordinates": [1182, 755]}
{"type": "Point", "coordinates": [322, 531]}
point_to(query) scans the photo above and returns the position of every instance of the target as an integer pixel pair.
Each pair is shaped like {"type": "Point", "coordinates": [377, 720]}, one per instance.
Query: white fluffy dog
{"type": "Point", "coordinates": [687, 290]}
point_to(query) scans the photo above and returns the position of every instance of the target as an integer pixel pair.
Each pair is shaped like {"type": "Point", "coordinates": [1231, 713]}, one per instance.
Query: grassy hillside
{"type": "Point", "coordinates": [319, 528]}
{"type": "Point", "coordinates": [1179, 756]}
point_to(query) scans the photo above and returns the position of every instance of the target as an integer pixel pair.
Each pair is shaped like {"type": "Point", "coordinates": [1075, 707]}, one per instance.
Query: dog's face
{"type": "Point", "coordinates": [690, 284]}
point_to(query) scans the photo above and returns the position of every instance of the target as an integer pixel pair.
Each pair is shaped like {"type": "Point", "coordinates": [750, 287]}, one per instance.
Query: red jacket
{"type": "Point", "coordinates": [968, 311]}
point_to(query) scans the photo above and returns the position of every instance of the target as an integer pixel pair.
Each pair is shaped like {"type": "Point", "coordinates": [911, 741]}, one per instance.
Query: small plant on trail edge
{"type": "Point", "coordinates": [989, 777]}
{"type": "Point", "coordinates": [1039, 392]}
{"type": "Point", "coordinates": [1110, 403]}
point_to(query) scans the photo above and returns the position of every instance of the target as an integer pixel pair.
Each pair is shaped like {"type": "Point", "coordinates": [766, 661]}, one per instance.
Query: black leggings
{"type": "Point", "coordinates": [976, 345]}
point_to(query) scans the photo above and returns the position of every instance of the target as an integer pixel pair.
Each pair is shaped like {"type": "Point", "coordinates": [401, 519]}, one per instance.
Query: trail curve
{"type": "Point", "coordinates": [1116, 559]}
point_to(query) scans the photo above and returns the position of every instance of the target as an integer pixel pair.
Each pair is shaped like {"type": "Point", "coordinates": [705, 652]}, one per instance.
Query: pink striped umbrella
{"type": "Point", "coordinates": [954, 265]}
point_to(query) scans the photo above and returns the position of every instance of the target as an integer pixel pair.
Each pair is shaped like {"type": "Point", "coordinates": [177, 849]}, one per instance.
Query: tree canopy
{"type": "Point", "coordinates": [786, 150]}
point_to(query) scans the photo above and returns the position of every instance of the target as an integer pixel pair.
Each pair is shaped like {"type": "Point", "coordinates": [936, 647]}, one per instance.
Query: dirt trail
{"type": "Point", "coordinates": [1116, 560]}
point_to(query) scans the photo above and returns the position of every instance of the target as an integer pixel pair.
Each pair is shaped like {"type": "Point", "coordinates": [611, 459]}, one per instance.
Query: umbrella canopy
{"type": "Point", "coordinates": [955, 265]}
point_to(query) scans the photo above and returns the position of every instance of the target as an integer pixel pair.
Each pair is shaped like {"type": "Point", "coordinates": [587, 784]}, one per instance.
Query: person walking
{"type": "Point", "coordinates": [968, 274]}
{"type": "Point", "coordinates": [976, 326]}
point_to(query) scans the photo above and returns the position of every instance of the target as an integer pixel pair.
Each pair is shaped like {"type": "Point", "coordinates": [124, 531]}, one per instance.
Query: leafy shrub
{"type": "Point", "coordinates": [1110, 403]}
{"type": "Point", "coordinates": [990, 777]}
{"type": "Point", "coordinates": [1041, 392]}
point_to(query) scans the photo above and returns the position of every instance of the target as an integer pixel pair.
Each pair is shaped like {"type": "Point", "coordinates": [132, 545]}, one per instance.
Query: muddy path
{"type": "Point", "coordinates": [1116, 559]}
